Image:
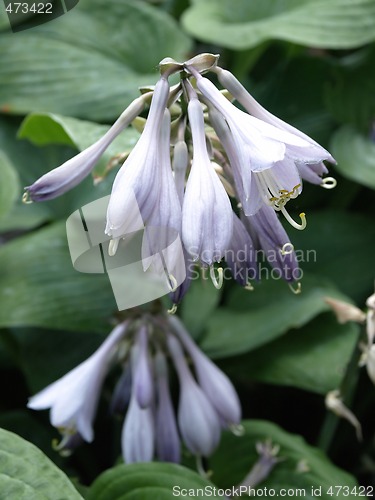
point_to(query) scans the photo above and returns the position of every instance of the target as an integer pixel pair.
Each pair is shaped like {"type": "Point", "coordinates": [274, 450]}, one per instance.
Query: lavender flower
{"type": "Point", "coordinates": [167, 438]}
{"type": "Point", "coordinates": [215, 384]}
{"type": "Point", "coordinates": [73, 398]}
{"type": "Point", "coordinates": [269, 152]}
{"type": "Point", "coordinates": [72, 172]}
{"type": "Point", "coordinates": [141, 373]}
{"type": "Point", "coordinates": [312, 172]}
{"type": "Point", "coordinates": [269, 235]}
{"type": "Point", "coordinates": [207, 222]}
{"type": "Point", "coordinates": [198, 422]}
{"type": "Point", "coordinates": [138, 433]}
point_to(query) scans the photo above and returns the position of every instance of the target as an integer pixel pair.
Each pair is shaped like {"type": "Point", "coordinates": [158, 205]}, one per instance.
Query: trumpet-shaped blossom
{"type": "Point", "coordinates": [74, 397]}
{"type": "Point", "coordinates": [197, 419]}
{"type": "Point", "coordinates": [72, 172]}
{"type": "Point", "coordinates": [215, 384]}
{"type": "Point", "coordinates": [264, 149]}
{"type": "Point", "coordinates": [207, 222]}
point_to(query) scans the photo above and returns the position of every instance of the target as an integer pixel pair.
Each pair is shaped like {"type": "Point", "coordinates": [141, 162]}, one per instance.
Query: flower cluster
{"type": "Point", "coordinates": [198, 157]}
{"type": "Point", "coordinates": [143, 346]}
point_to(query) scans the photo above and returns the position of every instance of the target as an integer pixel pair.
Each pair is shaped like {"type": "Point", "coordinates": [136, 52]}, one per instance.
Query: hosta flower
{"type": "Point", "coordinates": [136, 188]}
{"type": "Point", "coordinates": [312, 172]}
{"type": "Point", "coordinates": [270, 236]}
{"type": "Point", "coordinates": [197, 419]}
{"type": "Point", "coordinates": [269, 152]}
{"type": "Point", "coordinates": [241, 256]}
{"type": "Point", "coordinates": [138, 433]}
{"type": "Point", "coordinates": [207, 221]}
{"type": "Point", "coordinates": [74, 397]}
{"type": "Point", "coordinates": [215, 384]}
{"type": "Point", "coordinates": [72, 172]}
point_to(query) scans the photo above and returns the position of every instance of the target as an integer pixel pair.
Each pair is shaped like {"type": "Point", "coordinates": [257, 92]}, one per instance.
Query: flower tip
{"type": "Point", "coordinates": [26, 197]}
{"type": "Point", "coordinates": [203, 62]}
{"type": "Point", "coordinates": [168, 66]}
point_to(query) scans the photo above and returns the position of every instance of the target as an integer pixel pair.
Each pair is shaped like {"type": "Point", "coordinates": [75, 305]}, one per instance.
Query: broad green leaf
{"type": "Point", "coordinates": [25, 473]}
{"type": "Point", "coordinates": [47, 128]}
{"type": "Point", "coordinates": [343, 244]}
{"type": "Point", "coordinates": [243, 24]}
{"type": "Point", "coordinates": [355, 155]}
{"type": "Point", "coordinates": [9, 185]}
{"type": "Point", "coordinates": [303, 466]}
{"type": "Point", "coordinates": [149, 481]}
{"type": "Point", "coordinates": [40, 287]}
{"type": "Point", "coordinates": [350, 92]}
{"type": "Point", "coordinates": [313, 357]}
{"type": "Point", "coordinates": [60, 348]}
{"type": "Point", "coordinates": [255, 318]}
{"type": "Point", "coordinates": [88, 63]}
{"type": "Point", "coordinates": [198, 305]}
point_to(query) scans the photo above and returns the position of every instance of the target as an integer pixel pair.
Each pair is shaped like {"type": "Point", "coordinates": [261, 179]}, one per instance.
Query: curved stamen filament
{"type": "Point", "coordinates": [297, 290]}
{"type": "Point", "coordinates": [293, 222]}
{"type": "Point", "coordinates": [173, 309]}
{"type": "Point", "coordinates": [217, 280]}
{"type": "Point", "coordinates": [287, 249]}
{"type": "Point", "coordinates": [329, 183]}
{"type": "Point", "coordinates": [249, 287]}
{"type": "Point", "coordinates": [113, 246]}
{"type": "Point", "coordinates": [172, 283]}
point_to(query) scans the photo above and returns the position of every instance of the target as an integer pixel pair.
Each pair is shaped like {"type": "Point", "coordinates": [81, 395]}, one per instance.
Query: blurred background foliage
{"type": "Point", "coordinates": [310, 62]}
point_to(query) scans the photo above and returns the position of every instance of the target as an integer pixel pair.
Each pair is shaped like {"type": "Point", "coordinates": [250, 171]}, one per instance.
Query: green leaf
{"type": "Point", "coordinates": [350, 93]}
{"type": "Point", "coordinates": [303, 466]}
{"type": "Point", "coordinates": [313, 357]}
{"type": "Point", "coordinates": [47, 128]}
{"type": "Point", "coordinates": [25, 473]}
{"type": "Point", "coordinates": [198, 305]}
{"type": "Point", "coordinates": [148, 481]}
{"type": "Point", "coordinates": [343, 250]}
{"type": "Point", "coordinates": [271, 310]}
{"type": "Point", "coordinates": [88, 63]}
{"type": "Point", "coordinates": [40, 287]}
{"type": "Point", "coordinates": [9, 185]}
{"type": "Point", "coordinates": [243, 24]}
{"type": "Point", "coordinates": [355, 155]}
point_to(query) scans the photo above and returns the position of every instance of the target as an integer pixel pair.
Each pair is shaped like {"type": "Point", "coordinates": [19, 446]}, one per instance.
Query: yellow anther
{"type": "Point", "coordinates": [26, 198]}
{"type": "Point", "coordinates": [249, 287]}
